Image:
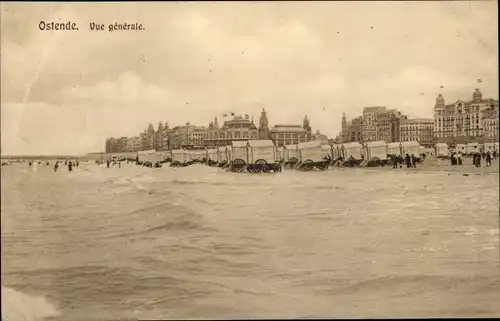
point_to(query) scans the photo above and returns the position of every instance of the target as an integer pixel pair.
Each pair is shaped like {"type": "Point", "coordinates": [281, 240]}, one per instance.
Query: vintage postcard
{"type": "Point", "coordinates": [236, 160]}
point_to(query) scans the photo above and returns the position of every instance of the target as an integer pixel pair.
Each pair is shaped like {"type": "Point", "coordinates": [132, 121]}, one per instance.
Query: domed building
{"type": "Point", "coordinates": [466, 121]}
{"type": "Point", "coordinates": [237, 129]}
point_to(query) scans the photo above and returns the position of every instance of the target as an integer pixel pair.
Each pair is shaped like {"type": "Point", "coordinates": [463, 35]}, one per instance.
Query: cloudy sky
{"type": "Point", "coordinates": [65, 92]}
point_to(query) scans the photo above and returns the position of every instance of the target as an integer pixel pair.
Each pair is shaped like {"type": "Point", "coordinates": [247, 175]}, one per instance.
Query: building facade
{"type": "Point", "coordinates": [419, 129]}
{"type": "Point", "coordinates": [352, 131]}
{"type": "Point", "coordinates": [370, 118]}
{"type": "Point", "coordinates": [187, 136]}
{"type": "Point", "coordinates": [490, 124]}
{"type": "Point", "coordinates": [237, 129]}
{"type": "Point", "coordinates": [466, 121]}
{"type": "Point", "coordinates": [283, 135]}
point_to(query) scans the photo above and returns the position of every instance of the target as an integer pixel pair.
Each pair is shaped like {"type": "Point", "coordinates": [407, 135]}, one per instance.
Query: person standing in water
{"type": "Point", "coordinates": [70, 166]}
{"type": "Point", "coordinates": [56, 166]}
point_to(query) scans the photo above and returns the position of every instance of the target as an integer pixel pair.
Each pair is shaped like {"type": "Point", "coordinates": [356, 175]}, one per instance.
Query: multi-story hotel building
{"type": "Point", "coordinates": [376, 124]}
{"type": "Point", "coordinates": [187, 136]}
{"type": "Point", "coordinates": [490, 124]}
{"type": "Point", "coordinates": [419, 129]}
{"type": "Point", "coordinates": [466, 121]}
{"type": "Point", "coordinates": [369, 131]}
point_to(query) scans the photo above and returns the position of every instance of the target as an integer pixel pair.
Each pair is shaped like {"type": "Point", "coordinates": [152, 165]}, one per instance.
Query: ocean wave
{"type": "Point", "coordinates": [169, 217]}
{"type": "Point", "coordinates": [17, 306]}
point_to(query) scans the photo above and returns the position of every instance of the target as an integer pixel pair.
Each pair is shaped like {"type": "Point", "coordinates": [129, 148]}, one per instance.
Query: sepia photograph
{"type": "Point", "coordinates": [249, 160]}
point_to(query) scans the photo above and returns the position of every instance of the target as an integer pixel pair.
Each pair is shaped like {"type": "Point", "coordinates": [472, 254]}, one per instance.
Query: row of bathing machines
{"type": "Point", "coordinates": [264, 156]}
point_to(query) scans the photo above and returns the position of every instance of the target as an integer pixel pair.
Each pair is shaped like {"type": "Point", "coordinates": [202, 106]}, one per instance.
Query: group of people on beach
{"type": "Point", "coordinates": [409, 160]}
{"type": "Point", "coordinates": [456, 158]}
{"type": "Point", "coordinates": [476, 158]}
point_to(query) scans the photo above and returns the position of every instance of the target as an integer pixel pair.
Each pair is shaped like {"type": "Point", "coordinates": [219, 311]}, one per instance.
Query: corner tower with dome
{"type": "Point", "coordinates": [463, 121]}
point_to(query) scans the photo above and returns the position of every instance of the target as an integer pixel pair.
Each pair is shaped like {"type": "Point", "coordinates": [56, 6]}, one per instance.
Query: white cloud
{"type": "Point", "coordinates": [128, 89]}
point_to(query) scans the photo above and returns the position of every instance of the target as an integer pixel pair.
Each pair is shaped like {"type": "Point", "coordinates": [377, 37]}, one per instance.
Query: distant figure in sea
{"type": "Point", "coordinates": [65, 162]}
{"type": "Point", "coordinates": [56, 166]}
{"type": "Point", "coordinates": [70, 166]}
{"type": "Point", "coordinates": [77, 163]}
{"type": "Point", "coordinates": [119, 164]}
{"type": "Point", "coordinates": [459, 159]}
{"type": "Point", "coordinates": [29, 163]}
{"type": "Point", "coordinates": [488, 159]}
{"type": "Point", "coordinates": [107, 163]}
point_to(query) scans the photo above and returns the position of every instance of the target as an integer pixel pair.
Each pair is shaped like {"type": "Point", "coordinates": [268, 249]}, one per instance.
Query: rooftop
{"type": "Point", "coordinates": [260, 143]}
{"type": "Point", "coordinates": [418, 121]}
{"type": "Point", "coordinates": [288, 128]}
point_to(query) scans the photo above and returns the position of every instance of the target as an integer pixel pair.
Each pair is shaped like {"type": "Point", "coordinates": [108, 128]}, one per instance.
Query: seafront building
{"type": "Point", "coordinates": [418, 129]}
{"type": "Point", "coordinates": [375, 124]}
{"type": "Point", "coordinates": [237, 129]}
{"type": "Point", "coordinates": [189, 136]}
{"type": "Point", "coordinates": [291, 134]}
{"type": "Point", "coordinates": [475, 120]}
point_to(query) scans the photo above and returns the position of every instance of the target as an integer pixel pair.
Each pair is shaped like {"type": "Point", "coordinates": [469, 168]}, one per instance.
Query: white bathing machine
{"type": "Point", "coordinates": [394, 149]}
{"type": "Point", "coordinates": [352, 150]}
{"type": "Point", "coordinates": [261, 151]}
{"type": "Point", "coordinates": [461, 148]}
{"type": "Point", "coordinates": [212, 154]}
{"type": "Point", "coordinates": [472, 148]}
{"type": "Point", "coordinates": [229, 152]}
{"type": "Point", "coordinates": [489, 147]}
{"type": "Point", "coordinates": [197, 154]}
{"type": "Point", "coordinates": [279, 154]}
{"type": "Point", "coordinates": [336, 150]}
{"type": "Point", "coordinates": [239, 151]}
{"type": "Point", "coordinates": [149, 156]}
{"type": "Point", "coordinates": [442, 150]}
{"type": "Point", "coordinates": [497, 145]}
{"type": "Point", "coordinates": [310, 151]}
{"type": "Point", "coordinates": [179, 156]}
{"type": "Point", "coordinates": [375, 150]}
{"type": "Point", "coordinates": [327, 151]}
{"type": "Point", "coordinates": [222, 154]}
{"type": "Point", "coordinates": [290, 153]}
{"type": "Point", "coordinates": [426, 150]}
{"type": "Point", "coordinates": [410, 148]}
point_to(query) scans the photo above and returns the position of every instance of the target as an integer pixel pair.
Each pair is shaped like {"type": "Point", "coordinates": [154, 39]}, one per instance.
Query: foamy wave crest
{"type": "Point", "coordinates": [17, 306]}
